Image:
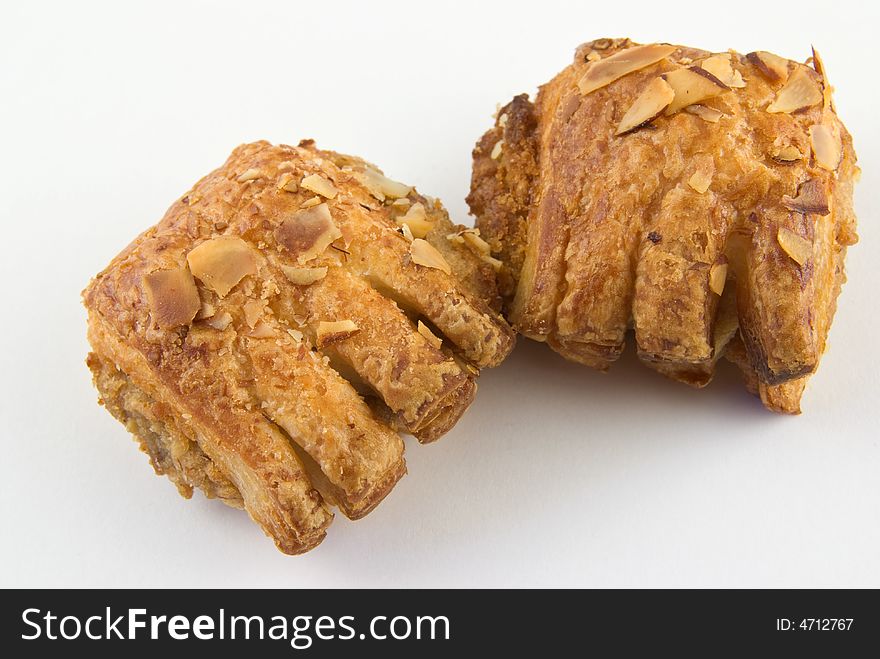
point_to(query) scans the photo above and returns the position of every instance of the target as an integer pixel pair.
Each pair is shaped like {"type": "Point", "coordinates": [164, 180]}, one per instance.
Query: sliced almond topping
{"type": "Point", "coordinates": [495, 263]}
{"type": "Point", "coordinates": [496, 150]}
{"type": "Point", "coordinates": [798, 248]}
{"type": "Point", "coordinates": [263, 330]}
{"type": "Point", "coordinates": [172, 297]}
{"type": "Point", "coordinates": [502, 120]}
{"type": "Point", "coordinates": [826, 146]}
{"type": "Point", "coordinates": [319, 185]}
{"type": "Point", "coordinates": [720, 67]}
{"type": "Point", "coordinates": [801, 91]}
{"type": "Point", "coordinates": [311, 201]}
{"type": "Point", "coordinates": [472, 239]}
{"type": "Point", "coordinates": [253, 310]}
{"type": "Point", "coordinates": [407, 232]}
{"type": "Point", "coordinates": [701, 179]}
{"type": "Point", "coordinates": [303, 276]}
{"type": "Point", "coordinates": [424, 253]}
{"type": "Point", "coordinates": [380, 186]}
{"type": "Point", "coordinates": [206, 311]}
{"type": "Point", "coordinates": [403, 201]}
{"type": "Point", "coordinates": [818, 64]}
{"type": "Point", "coordinates": [296, 335]}
{"type": "Point", "coordinates": [711, 115]}
{"type": "Point", "coordinates": [432, 338]}
{"type": "Point", "coordinates": [250, 175]}
{"type": "Point", "coordinates": [220, 263]}
{"type": "Point", "coordinates": [717, 277]}
{"type": "Point", "coordinates": [692, 85]}
{"type": "Point", "coordinates": [328, 332]}
{"type": "Point", "coordinates": [287, 183]}
{"type": "Point", "coordinates": [647, 107]}
{"type": "Point", "coordinates": [416, 219]}
{"type": "Point", "coordinates": [773, 67]}
{"type": "Point", "coordinates": [786, 154]}
{"type": "Point", "coordinates": [605, 71]}
{"type": "Point", "coordinates": [307, 233]}
{"type": "Point", "coordinates": [219, 322]}
{"type": "Point", "coordinates": [593, 56]}
{"type": "Point", "coordinates": [811, 198]}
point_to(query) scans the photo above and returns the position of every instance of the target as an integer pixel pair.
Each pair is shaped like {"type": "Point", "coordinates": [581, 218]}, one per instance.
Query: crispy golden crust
{"type": "Point", "coordinates": [613, 204]}
{"type": "Point", "coordinates": [221, 335]}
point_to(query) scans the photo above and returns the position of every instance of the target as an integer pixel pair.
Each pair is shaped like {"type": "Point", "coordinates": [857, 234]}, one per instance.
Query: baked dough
{"type": "Point", "coordinates": [267, 340]}
{"type": "Point", "coordinates": [702, 200]}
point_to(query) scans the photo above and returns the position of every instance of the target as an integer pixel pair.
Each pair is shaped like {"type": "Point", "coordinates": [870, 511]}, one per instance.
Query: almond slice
{"type": "Point", "coordinates": [263, 330]}
{"type": "Point", "coordinates": [811, 198]}
{"type": "Point", "coordinates": [717, 277]}
{"type": "Point", "coordinates": [287, 183]}
{"type": "Point", "coordinates": [496, 150]}
{"type": "Point", "coordinates": [417, 220]}
{"type": "Point", "coordinates": [328, 332]}
{"type": "Point", "coordinates": [787, 154]}
{"type": "Point", "coordinates": [380, 186]}
{"type": "Point", "coordinates": [705, 113]}
{"type": "Point", "coordinates": [407, 232]}
{"type": "Point", "coordinates": [307, 233]}
{"type": "Point", "coordinates": [773, 67]}
{"type": "Point", "coordinates": [219, 322]}
{"type": "Point", "coordinates": [296, 335]}
{"type": "Point", "coordinates": [253, 310]}
{"type": "Point", "coordinates": [700, 180]}
{"type": "Point", "coordinates": [798, 248]}
{"type": "Point", "coordinates": [605, 71]}
{"type": "Point", "coordinates": [220, 263]}
{"type": "Point", "coordinates": [303, 276]}
{"type": "Point", "coordinates": [172, 297]}
{"type": "Point", "coordinates": [647, 107]}
{"type": "Point", "coordinates": [432, 338]}
{"type": "Point", "coordinates": [720, 67]}
{"type": "Point", "coordinates": [692, 85]}
{"type": "Point", "coordinates": [250, 175]}
{"type": "Point", "coordinates": [425, 254]}
{"type": "Point", "coordinates": [472, 239]}
{"type": "Point", "coordinates": [311, 201]}
{"type": "Point", "coordinates": [800, 92]}
{"type": "Point", "coordinates": [319, 185]}
{"type": "Point", "coordinates": [826, 146]}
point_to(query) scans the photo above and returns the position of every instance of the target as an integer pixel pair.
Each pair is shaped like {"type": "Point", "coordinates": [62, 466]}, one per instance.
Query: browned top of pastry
{"type": "Point", "coordinates": [271, 279]}
{"type": "Point", "coordinates": [642, 178]}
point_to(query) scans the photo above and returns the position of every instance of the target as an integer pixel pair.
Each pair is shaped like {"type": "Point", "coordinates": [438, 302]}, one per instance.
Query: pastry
{"type": "Point", "coordinates": [290, 314]}
{"type": "Point", "coordinates": [702, 200]}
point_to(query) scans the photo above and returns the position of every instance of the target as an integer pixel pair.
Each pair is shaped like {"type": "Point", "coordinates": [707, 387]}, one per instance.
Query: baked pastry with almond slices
{"type": "Point", "coordinates": [295, 310]}
{"type": "Point", "coordinates": [703, 200]}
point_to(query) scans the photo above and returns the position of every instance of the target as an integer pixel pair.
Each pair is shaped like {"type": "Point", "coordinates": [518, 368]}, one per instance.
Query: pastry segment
{"type": "Point", "coordinates": [248, 343]}
{"type": "Point", "coordinates": [639, 203]}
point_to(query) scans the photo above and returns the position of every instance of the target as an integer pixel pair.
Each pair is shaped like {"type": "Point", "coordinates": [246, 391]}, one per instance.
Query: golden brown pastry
{"type": "Point", "coordinates": [703, 200]}
{"type": "Point", "coordinates": [291, 312]}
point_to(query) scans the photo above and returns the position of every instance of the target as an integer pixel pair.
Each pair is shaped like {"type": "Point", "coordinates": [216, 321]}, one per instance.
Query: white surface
{"type": "Point", "coordinates": [557, 475]}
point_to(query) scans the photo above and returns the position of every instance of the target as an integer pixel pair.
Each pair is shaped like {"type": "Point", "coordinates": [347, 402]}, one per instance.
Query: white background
{"type": "Point", "coordinates": [557, 475]}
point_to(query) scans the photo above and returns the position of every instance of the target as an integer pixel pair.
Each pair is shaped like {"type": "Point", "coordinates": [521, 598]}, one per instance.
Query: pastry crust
{"type": "Point", "coordinates": [645, 178]}
{"type": "Point", "coordinates": [263, 341]}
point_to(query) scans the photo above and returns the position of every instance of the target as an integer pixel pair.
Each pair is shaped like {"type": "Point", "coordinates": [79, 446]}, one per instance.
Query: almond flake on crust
{"type": "Point", "coordinates": [432, 338]}
{"type": "Point", "coordinates": [319, 185]}
{"type": "Point", "coordinates": [172, 297]}
{"type": "Point", "coordinates": [307, 233]}
{"type": "Point", "coordinates": [220, 263]}
{"type": "Point", "coordinates": [303, 276]}
{"type": "Point", "coordinates": [811, 198]}
{"type": "Point", "coordinates": [655, 98]}
{"type": "Point", "coordinates": [800, 92]}
{"type": "Point", "coordinates": [250, 175]}
{"type": "Point", "coordinates": [692, 85]}
{"type": "Point", "coordinates": [705, 113]}
{"type": "Point", "coordinates": [826, 146]}
{"type": "Point", "coordinates": [798, 248]}
{"type": "Point", "coordinates": [425, 254]}
{"type": "Point", "coordinates": [773, 67]}
{"type": "Point", "coordinates": [328, 332]}
{"type": "Point", "coordinates": [717, 278]}
{"type": "Point", "coordinates": [416, 218]}
{"type": "Point", "coordinates": [721, 67]}
{"type": "Point", "coordinates": [605, 71]}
